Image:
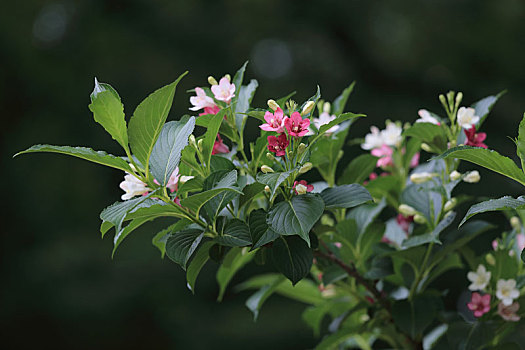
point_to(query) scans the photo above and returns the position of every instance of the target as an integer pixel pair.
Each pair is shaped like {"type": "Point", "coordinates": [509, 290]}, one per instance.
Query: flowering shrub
{"type": "Point", "coordinates": [362, 248]}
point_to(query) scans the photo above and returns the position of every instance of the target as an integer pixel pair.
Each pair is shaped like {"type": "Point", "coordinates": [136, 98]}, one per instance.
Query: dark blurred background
{"type": "Point", "coordinates": [59, 286]}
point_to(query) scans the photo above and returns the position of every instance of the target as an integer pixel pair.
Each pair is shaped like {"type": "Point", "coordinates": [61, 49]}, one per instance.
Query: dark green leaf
{"type": "Point", "coordinates": [484, 106]}
{"type": "Point", "coordinates": [260, 232]}
{"type": "Point", "coordinates": [235, 259]}
{"type": "Point", "coordinates": [429, 133]}
{"type": "Point", "coordinates": [221, 163]}
{"type": "Point", "coordinates": [365, 214]}
{"type": "Point", "coordinates": [249, 192]}
{"type": "Point", "coordinates": [358, 170]}
{"type": "Point", "coordinates": [235, 234]}
{"type": "Point", "coordinates": [160, 239]}
{"type": "Point", "coordinates": [255, 302]}
{"type": "Point", "coordinates": [413, 317]}
{"type": "Point", "coordinates": [197, 263]}
{"type": "Point", "coordinates": [181, 245]}
{"type": "Point", "coordinates": [273, 180]}
{"type": "Point", "coordinates": [244, 98]}
{"type": "Point", "coordinates": [431, 237]}
{"type": "Point", "coordinates": [211, 135]}
{"type": "Point", "coordinates": [503, 203]}
{"type": "Point", "coordinates": [292, 257]}
{"type": "Point", "coordinates": [345, 196]}
{"type": "Point", "coordinates": [339, 104]}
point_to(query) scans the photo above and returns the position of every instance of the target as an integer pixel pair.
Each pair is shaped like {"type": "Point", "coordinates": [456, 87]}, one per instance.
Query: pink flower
{"type": "Point", "coordinates": [520, 238]}
{"type": "Point", "coordinates": [404, 222]}
{"type": "Point", "coordinates": [508, 313]}
{"type": "Point", "coordinates": [201, 100]}
{"type": "Point", "coordinates": [296, 125]}
{"type": "Point", "coordinates": [274, 122]}
{"type": "Point", "coordinates": [173, 180]}
{"type": "Point", "coordinates": [211, 110]}
{"type": "Point", "coordinates": [495, 244]}
{"type": "Point", "coordinates": [385, 156]}
{"type": "Point", "coordinates": [278, 145]}
{"type": "Point", "coordinates": [479, 304]}
{"type": "Point", "coordinates": [301, 187]}
{"type": "Point", "coordinates": [414, 162]}
{"type": "Point", "coordinates": [475, 139]}
{"type": "Point", "coordinates": [224, 91]}
{"type": "Point", "coordinates": [219, 146]}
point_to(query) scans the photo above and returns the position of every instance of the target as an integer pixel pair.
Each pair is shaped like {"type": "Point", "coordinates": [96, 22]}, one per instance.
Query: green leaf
{"type": "Point", "coordinates": [282, 101]}
{"type": "Point", "coordinates": [431, 237]}
{"type": "Point", "coordinates": [235, 234]}
{"type": "Point", "coordinates": [98, 157]}
{"type": "Point", "coordinates": [216, 204]}
{"type": "Point", "coordinates": [197, 263]}
{"type": "Point", "coordinates": [238, 78]}
{"type": "Point", "coordinates": [292, 257]}
{"type": "Point", "coordinates": [108, 111]}
{"type": "Point", "coordinates": [221, 163]}
{"type": "Point", "coordinates": [339, 104]}
{"type": "Point", "coordinates": [234, 260]}
{"type": "Point", "coordinates": [413, 317]}
{"type": "Point", "coordinates": [489, 159]}
{"type": "Point", "coordinates": [422, 198]}
{"type": "Point", "coordinates": [181, 245]}
{"type": "Point", "coordinates": [345, 196]}
{"type": "Point", "coordinates": [122, 234]}
{"type": "Point", "coordinates": [273, 180]}
{"type": "Point", "coordinates": [166, 153]}
{"type": "Point", "coordinates": [249, 192]}
{"type": "Point", "coordinates": [297, 216]}
{"type": "Point", "coordinates": [484, 106]}
{"type": "Point", "coordinates": [341, 118]}
{"type": "Point", "coordinates": [148, 119]}
{"type": "Point", "coordinates": [260, 232]}
{"type": "Point", "coordinates": [453, 261]}
{"type": "Point", "coordinates": [255, 302]}
{"type": "Point", "coordinates": [520, 142]}
{"type": "Point", "coordinates": [365, 214]}
{"type": "Point", "coordinates": [160, 239]}
{"type": "Point", "coordinates": [523, 255]}
{"type": "Point", "coordinates": [245, 96]}
{"type": "Point", "coordinates": [211, 135]}
{"type": "Point", "coordinates": [428, 133]}
{"type": "Point", "coordinates": [503, 203]}
{"type": "Point", "coordinates": [314, 98]}
{"type": "Point", "coordinates": [358, 170]}
{"type": "Point", "coordinates": [115, 213]}
{"type": "Point", "coordinates": [326, 152]}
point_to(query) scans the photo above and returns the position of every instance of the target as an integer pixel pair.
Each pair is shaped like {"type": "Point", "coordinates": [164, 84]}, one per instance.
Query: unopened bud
{"type": "Point", "coordinates": [308, 107]}
{"type": "Point", "coordinates": [419, 178]}
{"type": "Point", "coordinates": [267, 189]}
{"type": "Point", "coordinates": [301, 189]}
{"type": "Point", "coordinates": [266, 169]}
{"type": "Point", "coordinates": [472, 177]}
{"type": "Point", "coordinates": [228, 77]}
{"type": "Point", "coordinates": [272, 104]}
{"type": "Point", "coordinates": [327, 107]}
{"type": "Point", "coordinates": [270, 156]}
{"type": "Point", "coordinates": [450, 98]}
{"type": "Point", "coordinates": [301, 148]}
{"type": "Point", "coordinates": [443, 101]}
{"type": "Point", "coordinates": [305, 168]}
{"type": "Point", "coordinates": [327, 220]}
{"type": "Point", "coordinates": [183, 179]}
{"type": "Point", "coordinates": [459, 97]}
{"type": "Point", "coordinates": [406, 210]}
{"type": "Point", "coordinates": [199, 144]}
{"type": "Point", "coordinates": [515, 223]}
{"type": "Point", "coordinates": [212, 81]}
{"type": "Point", "coordinates": [455, 175]}
{"type": "Point", "coordinates": [490, 259]}
{"type": "Point", "coordinates": [420, 219]}
{"type": "Point", "coordinates": [450, 204]}
{"type": "Point", "coordinates": [132, 167]}
{"type": "Point", "coordinates": [426, 147]}
{"type": "Point", "coordinates": [192, 141]}
{"type": "Point", "coordinates": [340, 154]}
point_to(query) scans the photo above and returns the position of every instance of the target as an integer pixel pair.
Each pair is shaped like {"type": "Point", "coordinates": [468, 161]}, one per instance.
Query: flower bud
{"type": "Point", "coordinates": [199, 144]}
{"type": "Point", "coordinates": [420, 219]}
{"type": "Point", "coordinates": [301, 189]}
{"type": "Point", "coordinates": [459, 97]}
{"type": "Point", "coordinates": [419, 178]}
{"type": "Point", "coordinates": [212, 81]}
{"type": "Point", "coordinates": [305, 168]}
{"type": "Point", "coordinates": [270, 156]}
{"type": "Point", "coordinates": [455, 175]}
{"type": "Point", "coordinates": [272, 104]}
{"type": "Point", "coordinates": [308, 107]}
{"type": "Point", "coordinates": [183, 179]}
{"type": "Point", "coordinates": [301, 148]}
{"type": "Point", "coordinates": [426, 147]}
{"type": "Point", "coordinates": [472, 177]}
{"type": "Point", "coordinates": [450, 98]}
{"type": "Point", "coordinates": [406, 210]}
{"type": "Point", "coordinates": [228, 77]}
{"type": "Point", "coordinates": [515, 223]}
{"type": "Point", "coordinates": [266, 169]}
{"type": "Point", "coordinates": [450, 204]}
{"type": "Point", "coordinates": [326, 107]}
{"type": "Point", "coordinates": [267, 189]}
{"type": "Point", "coordinates": [490, 259]}
{"type": "Point", "coordinates": [192, 141]}
{"type": "Point", "coordinates": [340, 154]}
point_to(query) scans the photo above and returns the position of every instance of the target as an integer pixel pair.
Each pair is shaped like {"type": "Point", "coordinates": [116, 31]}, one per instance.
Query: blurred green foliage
{"type": "Point", "coordinates": [59, 284]}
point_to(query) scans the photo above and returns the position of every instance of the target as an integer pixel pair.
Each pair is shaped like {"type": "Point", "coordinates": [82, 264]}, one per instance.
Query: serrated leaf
{"type": "Point", "coordinates": [358, 170]}
{"type": "Point", "coordinates": [161, 237]}
{"type": "Point", "coordinates": [85, 153]}
{"type": "Point", "coordinates": [503, 203]}
{"type": "Point", "coordinates": [234, 260]}
{"type": "Point", "coordinates": [292, 257]}
{"type": "Point", "coordinates": [215, 205]}
{"type": "Point", "coordinates": [429, 133]}
{"type": "Point", "coordinates": [249, 192]}
{"type": "Point", "coordinates": [273, 180]}
{"type": "Point", "coordinates": [166, 153]}
{"type": "Point", "coordinates": [489, 159]}
{"type": "Point", "coordinates": [260, 232]}
{"type": "Point", "coordinates": [339, 104]}
{"type": "Point", "coordinates": [115, 213]}
{"type": "Point", "coordinates": [181, 245]}
{"type": "Point", "coordinates": [236, 234]}
{"type": "Point", "coordinates": [197, 263]}
{"type": "Point", "coordinates": [297, 216]}
{"type": "Point", "coordinates": [345, 196]}
{"type": "Point", "coordinates": [148, 119]}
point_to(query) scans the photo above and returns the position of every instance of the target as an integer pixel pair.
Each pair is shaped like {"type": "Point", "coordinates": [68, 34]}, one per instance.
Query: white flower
{"type": "Point", "coordinates": [455, 175]}
{"type": "Point", "coordinates": [472, 177]}
{"type": "Point", "coordinates": [201, 100]}
{"type": "Point", "coordinates": [426, 117]}
{"type": "Point", "coordinates": [479, 279]}
{"type": "Point", "coordinates": [301, 189]}
{"type": "Point", "coordinates": [173, 180]}
{"type": "Point", "coordinates": [507, 291]}
{"type": "Point", "coordinates": [419, 178]}
{"type": "Point", "coordinates": [133, 187]}
{"type": "Point", "coordinates": [225, 91]}
{"type": "Point", "coordinates": [323, 119]}
{"type": "Point", "coordinates": [467, 118]}
{"type": "Point", "coordinates": [392, 135]}
{"type": "Point", "coordinates": [373, 140]}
